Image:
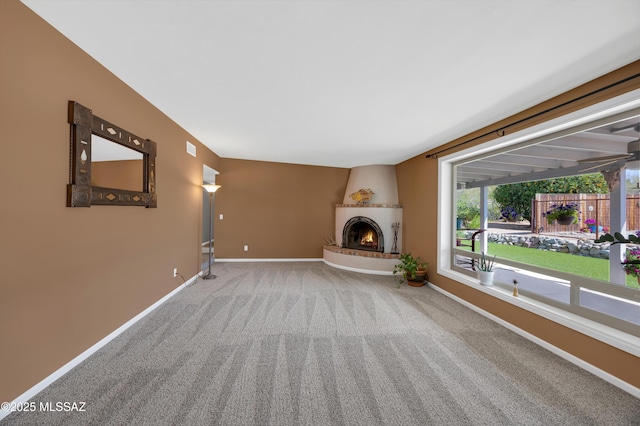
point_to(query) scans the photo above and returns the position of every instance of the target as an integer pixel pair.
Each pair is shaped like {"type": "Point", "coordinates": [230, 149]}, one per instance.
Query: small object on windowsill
{"type": "Point", "coordinates": [515, 288]}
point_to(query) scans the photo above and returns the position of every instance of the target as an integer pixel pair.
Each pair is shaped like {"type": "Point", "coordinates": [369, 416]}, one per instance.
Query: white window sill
{"type": "Point", "coordinates": [611, 336]}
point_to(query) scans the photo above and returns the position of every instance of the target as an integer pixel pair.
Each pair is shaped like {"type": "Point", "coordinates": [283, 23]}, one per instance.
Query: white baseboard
{"type": "Point", "coordinates": [617, 382]}
{"type": "Point", "coordinates": [29, 394]}
{"type": "Point", "coordinates": [304, 259]}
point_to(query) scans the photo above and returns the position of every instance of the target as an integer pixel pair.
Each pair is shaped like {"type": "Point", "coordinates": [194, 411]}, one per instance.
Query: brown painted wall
{"type": "Point", "coordinates": [71, 276]}
{"type": "Point", "coordinates": [420, 217]}
{"type": "Point", "coordinates": [279, 210]}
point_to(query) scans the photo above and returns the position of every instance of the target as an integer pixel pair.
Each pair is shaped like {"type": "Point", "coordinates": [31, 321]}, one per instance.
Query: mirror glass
{"type": "Point", "coordinates": [115, 166]}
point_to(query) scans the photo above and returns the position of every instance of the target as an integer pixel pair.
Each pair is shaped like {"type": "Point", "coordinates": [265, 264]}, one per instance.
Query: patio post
{"type": "Point", "coordinates": [618, 222]}
{"type": "Point", "coordinates": [484, 218]}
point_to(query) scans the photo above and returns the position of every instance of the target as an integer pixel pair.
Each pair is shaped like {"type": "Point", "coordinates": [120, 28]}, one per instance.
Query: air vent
{"type": "Point", "coordinates": [191, 148]}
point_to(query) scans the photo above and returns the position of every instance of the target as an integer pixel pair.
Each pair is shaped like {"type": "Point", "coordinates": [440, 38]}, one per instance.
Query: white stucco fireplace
{"type": "Point", "coordinates": [365, 235]}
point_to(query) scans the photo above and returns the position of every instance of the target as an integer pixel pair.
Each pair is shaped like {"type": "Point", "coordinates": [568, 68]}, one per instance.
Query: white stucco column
{"type": "Point", "coordinates": [484, 218]}
{"type": "Point", "coordinates": [618, 221]}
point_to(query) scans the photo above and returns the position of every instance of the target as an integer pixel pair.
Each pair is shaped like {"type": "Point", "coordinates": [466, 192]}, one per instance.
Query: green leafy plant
{"type": "Point", "coordinates": [467, 212]}
{"type": "Point", "coordinates": [631, 262]}
{"type": "Point", "coordinates": [409, 268]}
{"type": "Point", "coordinates": [486, 263]}
{"type": "Point", "coordinates": [618, 238]}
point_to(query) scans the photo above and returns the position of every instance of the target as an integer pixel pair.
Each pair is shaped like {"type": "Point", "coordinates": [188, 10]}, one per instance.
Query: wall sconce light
{"type": "Point", "coordinates": [210, 189]}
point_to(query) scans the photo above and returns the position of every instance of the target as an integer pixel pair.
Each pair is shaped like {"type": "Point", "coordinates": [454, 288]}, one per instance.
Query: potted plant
{"type": "Point", "coordinates": [412, 269]}
{"type": "Point", "coordinates": [485, 269]}
{"type": "Point", "coordinates": [592, 224]}
{"type": "Point", "coordinates": [564, 214]}
{"type": "Point", "coordinates": [631, 263]}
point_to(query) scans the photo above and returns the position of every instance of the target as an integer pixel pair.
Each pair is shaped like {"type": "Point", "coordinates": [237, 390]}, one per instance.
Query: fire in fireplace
{"type": "Point", "coordinates": [362, 233]}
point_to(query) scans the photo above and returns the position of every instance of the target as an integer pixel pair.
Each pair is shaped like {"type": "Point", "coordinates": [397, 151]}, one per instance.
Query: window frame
{"type": "Point", "coordinates": [592, 323]}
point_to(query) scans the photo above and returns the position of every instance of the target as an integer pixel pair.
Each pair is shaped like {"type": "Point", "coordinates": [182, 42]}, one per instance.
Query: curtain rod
{"type": "Point", "coordinates": [501, 131]}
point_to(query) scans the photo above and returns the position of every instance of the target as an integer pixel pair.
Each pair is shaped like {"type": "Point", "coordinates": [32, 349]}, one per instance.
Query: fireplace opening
{"type": "Point", "coordinates": [362, 233]}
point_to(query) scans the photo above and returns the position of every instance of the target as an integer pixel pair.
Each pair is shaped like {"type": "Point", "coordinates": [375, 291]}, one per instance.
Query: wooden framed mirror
{"type": "Point", "coordinates": [110, 177]}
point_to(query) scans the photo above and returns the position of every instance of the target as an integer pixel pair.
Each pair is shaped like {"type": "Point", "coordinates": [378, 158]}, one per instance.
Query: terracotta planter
{"type": "Point", "coordinates": [418, 279]}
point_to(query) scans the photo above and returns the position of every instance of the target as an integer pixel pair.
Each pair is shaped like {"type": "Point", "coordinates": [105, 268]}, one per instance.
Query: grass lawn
{"type": "Point", "coordinates": [579, 265]}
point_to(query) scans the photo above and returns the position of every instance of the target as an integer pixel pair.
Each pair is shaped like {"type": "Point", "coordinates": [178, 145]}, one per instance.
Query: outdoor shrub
{"type": "Point", "coordinates": [510, 214]}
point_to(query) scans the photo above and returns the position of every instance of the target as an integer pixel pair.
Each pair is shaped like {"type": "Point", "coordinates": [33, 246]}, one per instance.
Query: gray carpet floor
{"type": "Point", "coordinates": [307, 344]}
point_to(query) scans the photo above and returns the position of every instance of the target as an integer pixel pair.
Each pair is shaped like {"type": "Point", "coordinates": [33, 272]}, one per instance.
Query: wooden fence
{"type": "Point", "coordinates": [592, 206]}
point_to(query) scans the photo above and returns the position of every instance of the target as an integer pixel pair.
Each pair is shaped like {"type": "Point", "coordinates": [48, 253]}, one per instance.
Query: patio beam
{"type": "Point", "coordinates": [527, 177]}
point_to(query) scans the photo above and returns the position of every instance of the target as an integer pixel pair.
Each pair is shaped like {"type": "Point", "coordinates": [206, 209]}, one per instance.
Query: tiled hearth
{"type": "Point", "coordinates": [361, 253]}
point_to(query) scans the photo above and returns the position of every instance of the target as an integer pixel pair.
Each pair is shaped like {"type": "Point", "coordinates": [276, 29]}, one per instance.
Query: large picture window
{"type": "Point", "coordinates": [508, 199]}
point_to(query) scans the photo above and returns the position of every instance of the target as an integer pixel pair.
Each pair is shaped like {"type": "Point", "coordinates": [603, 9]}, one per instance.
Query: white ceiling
{"type": "Point", "coordinates": [347, 83]}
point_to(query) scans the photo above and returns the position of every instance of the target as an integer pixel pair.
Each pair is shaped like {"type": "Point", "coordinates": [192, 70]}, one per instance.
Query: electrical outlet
{"type": "Point", "coordinates": [246, 248]}
{"type": "Point", "coordinates": [175, 272]}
